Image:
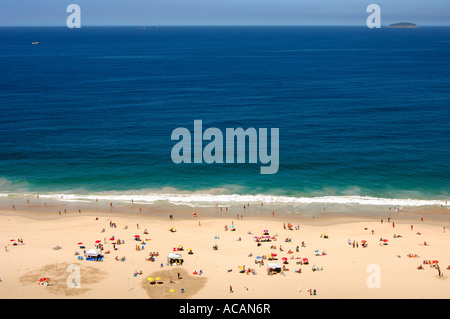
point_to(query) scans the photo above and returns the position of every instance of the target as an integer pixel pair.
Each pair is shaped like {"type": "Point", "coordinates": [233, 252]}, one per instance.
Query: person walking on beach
{"type": "Point", "coordinates": [231, 289]}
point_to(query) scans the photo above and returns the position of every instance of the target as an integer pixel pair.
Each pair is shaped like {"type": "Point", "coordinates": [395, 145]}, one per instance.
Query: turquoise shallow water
{"type": "Point", "coordinates": [363, 114]}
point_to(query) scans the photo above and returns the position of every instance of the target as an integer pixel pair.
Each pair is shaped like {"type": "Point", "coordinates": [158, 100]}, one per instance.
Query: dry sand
{"type": "Point", "coordinates": [377, 271]}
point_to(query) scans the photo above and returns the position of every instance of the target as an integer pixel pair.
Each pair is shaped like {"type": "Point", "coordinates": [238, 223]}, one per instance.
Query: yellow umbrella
{"type": "Point", "coordinates": [150, 279]}
{"type": "Point", "coordinates": [171, 290]}
{"type": "Point", "coordinates": [179, 246]}
{"type": "Point", "coordinates": [158, 278]}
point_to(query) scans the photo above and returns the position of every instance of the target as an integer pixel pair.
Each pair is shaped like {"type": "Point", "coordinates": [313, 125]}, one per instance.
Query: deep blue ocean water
{"type": "Point", "coordinates": [361, 112]}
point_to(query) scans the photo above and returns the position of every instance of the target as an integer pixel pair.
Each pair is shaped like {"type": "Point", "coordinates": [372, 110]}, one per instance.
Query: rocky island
{"type": "Point", "coordinates": [403, 25]}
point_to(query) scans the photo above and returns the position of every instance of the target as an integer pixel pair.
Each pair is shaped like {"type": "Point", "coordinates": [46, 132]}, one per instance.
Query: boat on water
{"type": "Point", "coordinates": [35, 42]}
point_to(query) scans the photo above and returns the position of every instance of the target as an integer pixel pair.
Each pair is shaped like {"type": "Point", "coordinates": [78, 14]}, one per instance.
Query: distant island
{"type": "Point", "coordinates": [403, 25]}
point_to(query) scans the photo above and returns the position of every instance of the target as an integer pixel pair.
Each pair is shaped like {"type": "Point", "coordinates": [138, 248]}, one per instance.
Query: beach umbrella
{"type": "Point", "coordinates": [385, 240]}
{"type": "Point", "coordinates": [363, 241]}
{"type": "Point", "coordinates": [136, 236]}
{"type": "Point", "coordinates": [112, 238]}
{"type": "Point", "coordinates": [284, 258]}
{"type": "Point", "coordinates": [274, 255]}
{"type": "Point", "coordinates": [305, 259]}
{"type": "Point", "coordinates": [98, 241]}
{"type": "Point", "coordinates": [172, 290]}
{"type": "Point", "coordinates": [158, 278]}
{"type": "Point", "coordinates": [435, 261]}
{"type": "Point", "coordinates": [80, 243]}
{"type": "Point", "coordinates": [150, 279]}
{"type": "Point", "coordinates": [12, 240]}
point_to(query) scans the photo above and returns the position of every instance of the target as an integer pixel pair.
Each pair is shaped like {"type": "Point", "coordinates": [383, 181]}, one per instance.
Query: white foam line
{"type": "Point", "coordinates": [197, 199]}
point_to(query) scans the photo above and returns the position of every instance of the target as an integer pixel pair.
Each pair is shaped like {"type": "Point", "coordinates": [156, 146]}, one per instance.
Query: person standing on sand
{"type": "Point", "coordinates": [231, 289]}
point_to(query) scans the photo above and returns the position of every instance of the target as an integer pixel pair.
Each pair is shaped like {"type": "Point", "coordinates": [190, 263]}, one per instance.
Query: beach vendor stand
{"type": "Point", "coordinates": [174, 259]}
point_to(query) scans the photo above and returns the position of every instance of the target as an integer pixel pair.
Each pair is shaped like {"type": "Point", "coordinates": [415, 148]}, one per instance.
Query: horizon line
{"type": "Point", "coordinates": [211, 25]}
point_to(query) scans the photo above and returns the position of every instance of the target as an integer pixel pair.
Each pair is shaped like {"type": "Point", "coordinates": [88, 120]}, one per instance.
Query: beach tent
{"type": "Point", "coordinates": [93, 253]}
{"type": "Point", "coordinates": [174, 258]}
{"type": "Point", "coordinates": [273, 267]}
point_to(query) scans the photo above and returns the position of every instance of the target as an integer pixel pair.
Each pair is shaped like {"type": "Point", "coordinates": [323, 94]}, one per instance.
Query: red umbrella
{"type": "Point", "coordinates": [136, 236]}
{"type": "Point", "coordinates": [363, 241]}
{"type": "Point", "coordinates": [98, 241]}
{"type": "Point", "coordinates": [80, 243]}
{"type": "Point", "coordinates": [284, 258]}
{"type": "Point", "coordinates": [12, 240]}
{"type": "Point", "coordinates": [385, 240]}
{"type": "Point", "coordinates": [435, 261]}
{"type": "Point", "coordinates": [112, 238]}
{"type": "Point", "coordinates": [274, 255]}
{"type": "Point", "coordinates": [305, 259]}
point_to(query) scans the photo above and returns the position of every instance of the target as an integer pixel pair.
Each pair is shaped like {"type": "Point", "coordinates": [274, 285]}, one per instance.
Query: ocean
{"type": "Point", "coordinates": [363, 114]}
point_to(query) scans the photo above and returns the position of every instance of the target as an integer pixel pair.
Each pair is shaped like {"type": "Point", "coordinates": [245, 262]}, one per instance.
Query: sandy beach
{"type": "Point", "coordinates": [40, 244]}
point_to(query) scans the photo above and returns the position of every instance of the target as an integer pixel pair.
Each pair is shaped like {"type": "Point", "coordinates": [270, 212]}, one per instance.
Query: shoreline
{"type": "Point", "coordinates": [55, 210]}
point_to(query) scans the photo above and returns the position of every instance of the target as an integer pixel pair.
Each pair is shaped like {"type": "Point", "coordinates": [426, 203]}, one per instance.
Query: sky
{"type": "Point", "coordinates": [222, 12]}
